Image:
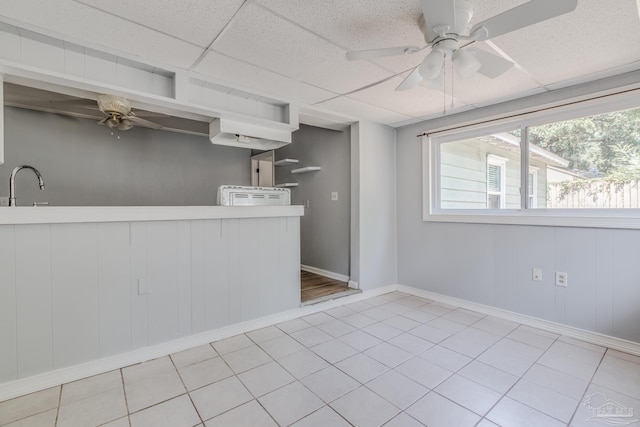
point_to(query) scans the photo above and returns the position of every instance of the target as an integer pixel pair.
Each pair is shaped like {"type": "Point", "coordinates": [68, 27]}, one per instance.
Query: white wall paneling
{"type": "Point", "coordinates": [247, 266]}
{"type": "Point", "coordinates": [74, 293]}
{"type": "Point", "coordinates": [183, 249]}
{"type": "Point", "coordinates": [139, 277]}
{"type": "Point", "coordinates": [8, 329]}
{"type": "Point", "coordinates": [289, 263]}
{"type": "Point", "coordinates": [218, 254]}
{"type": "Point", "coordinates": [198, 297]}
{"type": "Point", "coordinates": [267, 264]}
{"type": "Point", "coordinates": [34, 327]}
{"type": "Point", "coordinates": [162, 280]}
{"type": "Point", "coordinates": [114, 283]}
{"type": "Point", "coordinates": [69, 292]}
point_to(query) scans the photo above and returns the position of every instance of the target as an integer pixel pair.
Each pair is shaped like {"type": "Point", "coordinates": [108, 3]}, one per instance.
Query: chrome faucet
{"type": "Point", "coordinates": [12, 182]}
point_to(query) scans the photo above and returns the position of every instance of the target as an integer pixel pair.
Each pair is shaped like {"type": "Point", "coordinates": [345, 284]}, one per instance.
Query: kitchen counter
{"type": "Point", "coordinates": [81, 214]}
{"type": "Point", "coordinates": [92, 289]}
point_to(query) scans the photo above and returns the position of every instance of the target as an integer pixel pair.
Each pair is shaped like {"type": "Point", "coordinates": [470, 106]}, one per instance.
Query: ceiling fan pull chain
{"type": "Point", "coordinates": [444, 90]}
{"type": "Point", "coordinates": [452, 105]}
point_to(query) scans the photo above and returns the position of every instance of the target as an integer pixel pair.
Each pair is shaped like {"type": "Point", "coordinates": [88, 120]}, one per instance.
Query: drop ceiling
{"type": "Point", "coordinates": [295, 49]}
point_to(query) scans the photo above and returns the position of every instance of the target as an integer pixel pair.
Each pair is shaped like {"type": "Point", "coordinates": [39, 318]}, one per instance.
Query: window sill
{"type": "Point", "coordinates": [589, 218]}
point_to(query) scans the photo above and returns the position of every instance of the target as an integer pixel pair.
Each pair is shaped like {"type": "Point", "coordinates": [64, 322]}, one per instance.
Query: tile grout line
{"type": "Point", "coordinates": [581, 401]}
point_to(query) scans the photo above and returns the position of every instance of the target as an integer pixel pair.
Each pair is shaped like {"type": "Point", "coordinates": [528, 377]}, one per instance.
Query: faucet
{"type": "Point", "coordinates": [12, 182]}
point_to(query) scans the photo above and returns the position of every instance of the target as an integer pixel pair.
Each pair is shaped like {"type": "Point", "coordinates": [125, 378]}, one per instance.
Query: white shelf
{"type": "Point", "coordinates": [307, 169]}
{"type": "Point", "coordinates": [285, 162]}
{"type": "Point", "coordinates": [288, 184]}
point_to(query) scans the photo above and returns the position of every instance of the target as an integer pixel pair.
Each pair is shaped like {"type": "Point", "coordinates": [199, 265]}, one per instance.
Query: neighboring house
{"type": "Point", "coordinates": [484, 173]}
{"type": "Point", "coordinates": [555, 175]}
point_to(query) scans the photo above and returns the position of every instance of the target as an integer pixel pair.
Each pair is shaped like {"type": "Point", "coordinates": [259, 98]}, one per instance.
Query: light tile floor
{"type": "Point", "coordinates": [393, 360]}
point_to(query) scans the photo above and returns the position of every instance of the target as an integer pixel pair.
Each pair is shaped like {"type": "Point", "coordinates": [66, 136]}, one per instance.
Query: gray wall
{"type": "Point", "coordinates": [84, 165]}
{"type": "Point", "coordinates": [491, 264]}
{"type": "Point", "coordinates": [324, 228]}
{"type": "Point", "coordinates": [374, 236]}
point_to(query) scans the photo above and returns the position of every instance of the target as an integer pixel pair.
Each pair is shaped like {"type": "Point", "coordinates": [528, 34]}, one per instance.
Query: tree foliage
{"type": "Point", "coordinates": [607, 143]}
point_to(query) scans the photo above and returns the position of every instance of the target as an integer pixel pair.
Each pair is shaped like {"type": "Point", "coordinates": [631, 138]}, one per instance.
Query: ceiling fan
{"type": "Point", "coordinates": [444, 23]}
{"type": "Point", "coordinates": [118, 113]}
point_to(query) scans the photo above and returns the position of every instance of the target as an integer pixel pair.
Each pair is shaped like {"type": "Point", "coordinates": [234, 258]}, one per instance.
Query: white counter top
{"type": "Point", "coordinates": [75, 214]}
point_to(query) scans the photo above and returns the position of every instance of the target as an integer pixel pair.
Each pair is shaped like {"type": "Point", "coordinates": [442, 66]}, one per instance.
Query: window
{"type": "Point", "coordinates": [496, 177]}
{"type": "Point", "coordinates": [577, 165]}
{"type": "Point", "coordinates": [532, 184]}
{"type": "Point", "coordinates": [480, 173]}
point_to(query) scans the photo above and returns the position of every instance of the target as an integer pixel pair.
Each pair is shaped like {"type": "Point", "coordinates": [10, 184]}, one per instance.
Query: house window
{"type": "Point", "coordinates": [496, 177]}
{"type": "Point", "coordinates": [532, 184]}
{"type": "Point", "coordinates": [480, 173]}
{"type": "Point", "coordinates": [581, 170]}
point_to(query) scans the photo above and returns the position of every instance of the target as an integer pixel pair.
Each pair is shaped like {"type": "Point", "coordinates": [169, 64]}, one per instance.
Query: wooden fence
{"type": "Point", "coordinates": [596, 194]}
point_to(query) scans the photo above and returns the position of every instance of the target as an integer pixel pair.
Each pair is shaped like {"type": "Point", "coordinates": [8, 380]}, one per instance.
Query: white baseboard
{"type": "Point", "coordinates": [614, 343]}
{"type": "Point", "coordinates": [15, 388]}
{"type": "Point", "coordinates": [353, 285]}
{"type": "Point", "coordinates": [325, 273]}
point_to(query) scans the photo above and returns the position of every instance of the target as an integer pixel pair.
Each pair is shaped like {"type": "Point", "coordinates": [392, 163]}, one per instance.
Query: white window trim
{"type": "Point", "coordinates": [533, 171]}
{"type": "Point", "coordinates": [595, 218]}
{"type": "Point", "coordinates": [492, 159]}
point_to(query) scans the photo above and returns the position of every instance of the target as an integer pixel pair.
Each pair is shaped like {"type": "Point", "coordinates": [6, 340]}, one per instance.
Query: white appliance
{"type": "Point", "coordinates": [236, 195]}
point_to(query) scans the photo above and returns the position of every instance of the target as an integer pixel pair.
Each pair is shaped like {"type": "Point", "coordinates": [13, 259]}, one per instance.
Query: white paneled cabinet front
{"type": "Point", "coordinates": [70, 293]}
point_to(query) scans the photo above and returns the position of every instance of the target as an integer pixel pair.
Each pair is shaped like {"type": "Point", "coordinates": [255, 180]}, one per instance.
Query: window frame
{"type": "Point", "coordinates": [501, 162]}
{"type": "Point", "coordinates": [533, 196]}
{"type": "Point", "coordinates": [560, 111]}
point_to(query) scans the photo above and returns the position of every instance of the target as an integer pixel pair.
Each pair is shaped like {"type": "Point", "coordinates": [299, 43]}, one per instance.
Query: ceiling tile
{"type": "Point", "coordinates": [232, 70]}
{"type": "Point", "coordinates": [596, 36]}
{"type": "Point", "coordinates": [195, 21]}
{"type": "Point", "coordinates": [259, 37]}
{"type": "Point", "coordinates": [480, 89]}
{"type": "Point", "coordinates": [484, 9]}
{"type": "Point", "coordinates": [337, 74]}
{"type": "Point", "coordinates": [416, 102]}
{"type": "Point", "coordinates": [400, 64]}
{"type": "Point", "coordinates": [82, 23]}
{"type": "Point", "coordinates": [362, 24]}
{"type": "Point", "coordinates": [360, 110]}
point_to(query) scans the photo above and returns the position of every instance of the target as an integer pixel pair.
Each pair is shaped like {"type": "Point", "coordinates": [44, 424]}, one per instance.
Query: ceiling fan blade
{"type": "Point", "coordinates": [492, 65]}
{"type": "Point", "coordinates": [104, 121]}
{"type": "Point", "coordinates": [521, 16]}
{"type": "Point", "coordinates": [143, 122]}
{"type": "Point", "coordinates": [143, 113]}
{"type": "Point", "coordinates": [410, 81]}
{"type": "Point", "coordinates": [439, 13]}
{"type": "Point", "coordinates": [353, 55]}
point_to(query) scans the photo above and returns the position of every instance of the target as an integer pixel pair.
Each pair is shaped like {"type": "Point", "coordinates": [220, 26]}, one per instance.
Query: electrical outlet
{"type": "Point", "coordinates": [334, 196]}
{"type": "Point", "coordinates": [536, 274]}
{"type": "Point", "coordinates": [4, 201]}
{"type": "Point", "coordinates": [562, 279]}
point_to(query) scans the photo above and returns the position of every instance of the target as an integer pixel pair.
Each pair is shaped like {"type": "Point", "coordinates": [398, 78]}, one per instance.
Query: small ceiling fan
{"type": "Point", "coordinates": [444, 23]}
{"type": "Point", "coordinates": [118, 113]}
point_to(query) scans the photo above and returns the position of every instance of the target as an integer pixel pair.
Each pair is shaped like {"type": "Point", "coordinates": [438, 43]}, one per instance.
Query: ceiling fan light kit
{"type": "Point", "coordinates": [110, 104]}
{"type": "Point", "coordinates": [465, 64]}
{"type": "Point", "coordinates": [119, 115]}
{"type": "Point", "coordinates": [444, 23]}
{"type": "Point", "coordinates": [432, 64]}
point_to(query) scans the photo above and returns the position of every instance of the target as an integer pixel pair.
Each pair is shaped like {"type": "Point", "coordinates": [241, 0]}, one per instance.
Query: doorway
{"type": "Point", "coordinates": [316, 288]}
{"type": "Point", "coordinates": [262, 172]}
